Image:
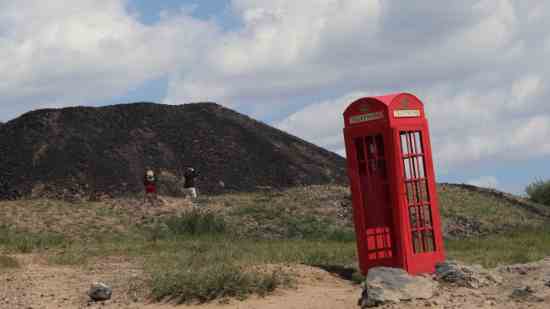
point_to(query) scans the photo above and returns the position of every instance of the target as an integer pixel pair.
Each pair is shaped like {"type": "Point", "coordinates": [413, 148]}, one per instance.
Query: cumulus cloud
{"type": "Point", "coordinates": [478, 66]}
{"type": "Point", "coordinates": [321, 122]}
{"type": "Point", "coordinates": [281, 51]}
{"type": "Point", "coordinates": [53, 53]}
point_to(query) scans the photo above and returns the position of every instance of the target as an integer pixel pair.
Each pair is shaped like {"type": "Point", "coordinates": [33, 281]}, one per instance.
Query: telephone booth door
{"type": "Point", "coordinates": [376, 217]}
{"type": "Point", "coordinates": [424, 244]}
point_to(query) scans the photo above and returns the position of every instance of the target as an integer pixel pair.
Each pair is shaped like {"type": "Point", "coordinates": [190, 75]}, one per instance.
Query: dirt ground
{"type": "Point", "coordinates": [38, 285]}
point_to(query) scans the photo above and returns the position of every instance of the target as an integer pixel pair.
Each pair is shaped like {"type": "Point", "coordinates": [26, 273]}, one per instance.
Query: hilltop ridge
{"type": "Point", "coordinates": [104, 150]}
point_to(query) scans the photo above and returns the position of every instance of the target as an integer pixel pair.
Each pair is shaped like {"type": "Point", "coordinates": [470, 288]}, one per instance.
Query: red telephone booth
{"type": "Point", "coordinates": [395, 205]}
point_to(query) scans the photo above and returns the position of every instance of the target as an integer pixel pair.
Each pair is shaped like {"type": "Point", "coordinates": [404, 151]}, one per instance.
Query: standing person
{"type": "Point", "coordinates": [150, 183]}
{"type": "Point", "coordinates": [189, 185]}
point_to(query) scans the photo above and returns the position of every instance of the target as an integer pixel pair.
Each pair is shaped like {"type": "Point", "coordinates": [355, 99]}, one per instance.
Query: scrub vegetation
{"type": "Point", "coordinates": [237, 244]}
{"type": "Point", "coordinates": [539, 191]}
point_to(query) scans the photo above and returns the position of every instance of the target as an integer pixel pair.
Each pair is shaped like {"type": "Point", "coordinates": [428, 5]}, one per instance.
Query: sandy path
{"type": "Point", "coordinates": [38, 285]}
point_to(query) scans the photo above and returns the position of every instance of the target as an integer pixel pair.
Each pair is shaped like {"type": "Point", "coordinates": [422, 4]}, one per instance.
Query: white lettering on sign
{"type": "Point", "coordinates": [406, 113]}
{"type": "Point", "coordinates": [366, 117]}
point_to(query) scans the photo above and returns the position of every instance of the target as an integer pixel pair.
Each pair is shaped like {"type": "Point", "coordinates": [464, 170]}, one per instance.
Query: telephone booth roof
{"type": "Point", "coordinates": [396, 108]}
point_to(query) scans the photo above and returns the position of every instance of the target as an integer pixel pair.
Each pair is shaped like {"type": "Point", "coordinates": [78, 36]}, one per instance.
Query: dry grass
{"type": "Point", "coordinates": [490, 212]}
{"type": "Point", "coordinates": [8, 262]}
{"type": "Point", "coordinates": [85, 220]}
{"type": "Point", "coordinates": [229, 237]}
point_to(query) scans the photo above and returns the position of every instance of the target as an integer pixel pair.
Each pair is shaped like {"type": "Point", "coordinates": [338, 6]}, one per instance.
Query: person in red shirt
{"type": "Point", "coordinates": [150, 184]}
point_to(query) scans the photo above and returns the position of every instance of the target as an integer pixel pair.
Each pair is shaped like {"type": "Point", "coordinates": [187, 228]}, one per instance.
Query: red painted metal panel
{"type": "Point", "coordinates": [392, 181]}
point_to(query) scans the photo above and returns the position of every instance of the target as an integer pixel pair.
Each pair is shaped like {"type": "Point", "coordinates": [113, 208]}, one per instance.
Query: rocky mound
{"type": "Point", "coordinates": [104, 150]}
{"type": "Point", "coordinates": [470, 211]}
{"type": "Point", "coordinates": [457, 285]}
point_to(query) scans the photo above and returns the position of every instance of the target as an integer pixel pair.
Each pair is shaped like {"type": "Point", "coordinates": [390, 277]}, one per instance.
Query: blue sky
{"type": "Point", "coordinates": [150, 11]}
{"type": "Point", "coordinates": [479, 66]}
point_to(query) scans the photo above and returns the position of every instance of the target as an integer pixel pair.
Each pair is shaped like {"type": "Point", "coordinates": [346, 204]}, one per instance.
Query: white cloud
{"type": "Point", "coordinates": [484, 182]}
{"type": "Point", "coordinates": [321, 123]}
{"type": "Point", "coordinates": [280, 51]}
{"type": "Point", "coordinates": [526, 87]}
{"type": "Point", "coordinates": [55, 53]}
{"type": "Point", "coordinates": [482, 79]}
{"type": "Point", "coordinates": [466, 128]}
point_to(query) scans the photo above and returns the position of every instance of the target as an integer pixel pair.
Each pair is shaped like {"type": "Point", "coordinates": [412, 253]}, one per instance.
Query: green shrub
{"type": "Point", "coordinates": [196, 222]}
{"type": "Point", "coordinates": [539, 191]}
{"type": "Point", "coordinates": [208, 282]}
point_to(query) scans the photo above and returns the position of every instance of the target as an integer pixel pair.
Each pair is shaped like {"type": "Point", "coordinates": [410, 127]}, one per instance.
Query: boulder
{"type": "Point", "coordinates": [100, 292]}
{"type": "Point", "coordinates": [392, 285]}
{"type": "Point", "coordinates": [525, 294]}
{"type": "Point", "coordinates": [473, 276]}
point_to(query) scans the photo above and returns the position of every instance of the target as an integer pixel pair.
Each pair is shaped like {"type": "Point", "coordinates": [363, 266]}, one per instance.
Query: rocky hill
{"type": "Point", "coordinates": [85, 151]}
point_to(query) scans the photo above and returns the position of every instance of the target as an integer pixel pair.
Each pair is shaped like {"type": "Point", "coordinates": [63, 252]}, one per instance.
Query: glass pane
{"type": "Point", "coordinates": [417, 242]}
{"type": "Point", "coordinates": [429, 242]}
{"type": "Point", "coordinates": [413, 217]}
{"type": "Point", "coordinates": [359, 149]}
{"type": "Point", "coordinates": [425, 197]}
{"type": "Point", "coordinates": [372, 166]}
{"type": "Point", "coordinates": [417, 193]}
{"type": "Point", "coordinates": [404, 144]}
{"type": "Point", "coordinates": [421, 167]}
{"type": "Point", "coordinates": [407, 167]}
{"type": "Point", "coordinates": [380, 145]}
{"type": "Point", "coordinates": [362, 169]}
{"type": "Point", "coordinates": [427, 215]}
{"type": "Point", "coordinates": [414, 167]}
{"type": "Point", "coordinates": [410, 192]}
{"type": "Point", "coordinates": [382, 168]}
{"type": "Point", "coordinates": [418, 142]}
{"type": "Point", "coordinates": [371, 147]}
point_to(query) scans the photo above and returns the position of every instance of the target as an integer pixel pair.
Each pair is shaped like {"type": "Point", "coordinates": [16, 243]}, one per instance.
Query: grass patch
{"type": "Point", "coordinates": [520, 246]}
{"type": "Point", "coordinates": [271, 219]}
{"type": "Point", "coordinates": [203, 269]}
{"type": "Point", "coordinates": [70, 256]}
{"type": "Point", "coordinates": [21, 241]}
{"type": "Point", "coordinates": [196, 222]}
{"type": "Point", "coordinates": [7, 262]}
{"type": "Point", "coordinates": [188, 268]}
{"type": "Point", "coordinates": [493, 213]}
{"type": "Point", "coordinates": [208, 282]}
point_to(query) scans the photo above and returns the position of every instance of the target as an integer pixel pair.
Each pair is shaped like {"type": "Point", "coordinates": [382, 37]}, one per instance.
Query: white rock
{"type": "Point", "coordinates": [392, 285]}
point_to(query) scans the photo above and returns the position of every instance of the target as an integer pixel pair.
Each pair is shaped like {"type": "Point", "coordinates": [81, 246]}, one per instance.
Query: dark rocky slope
{"type": "Point", "coordinates": [97, 150]}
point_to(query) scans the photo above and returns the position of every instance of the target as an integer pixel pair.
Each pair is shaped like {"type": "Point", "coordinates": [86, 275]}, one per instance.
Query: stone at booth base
{"type": "Point", "coordinates": [473, 276]}
{"type": "Point", "coordinates": [392, 285]}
